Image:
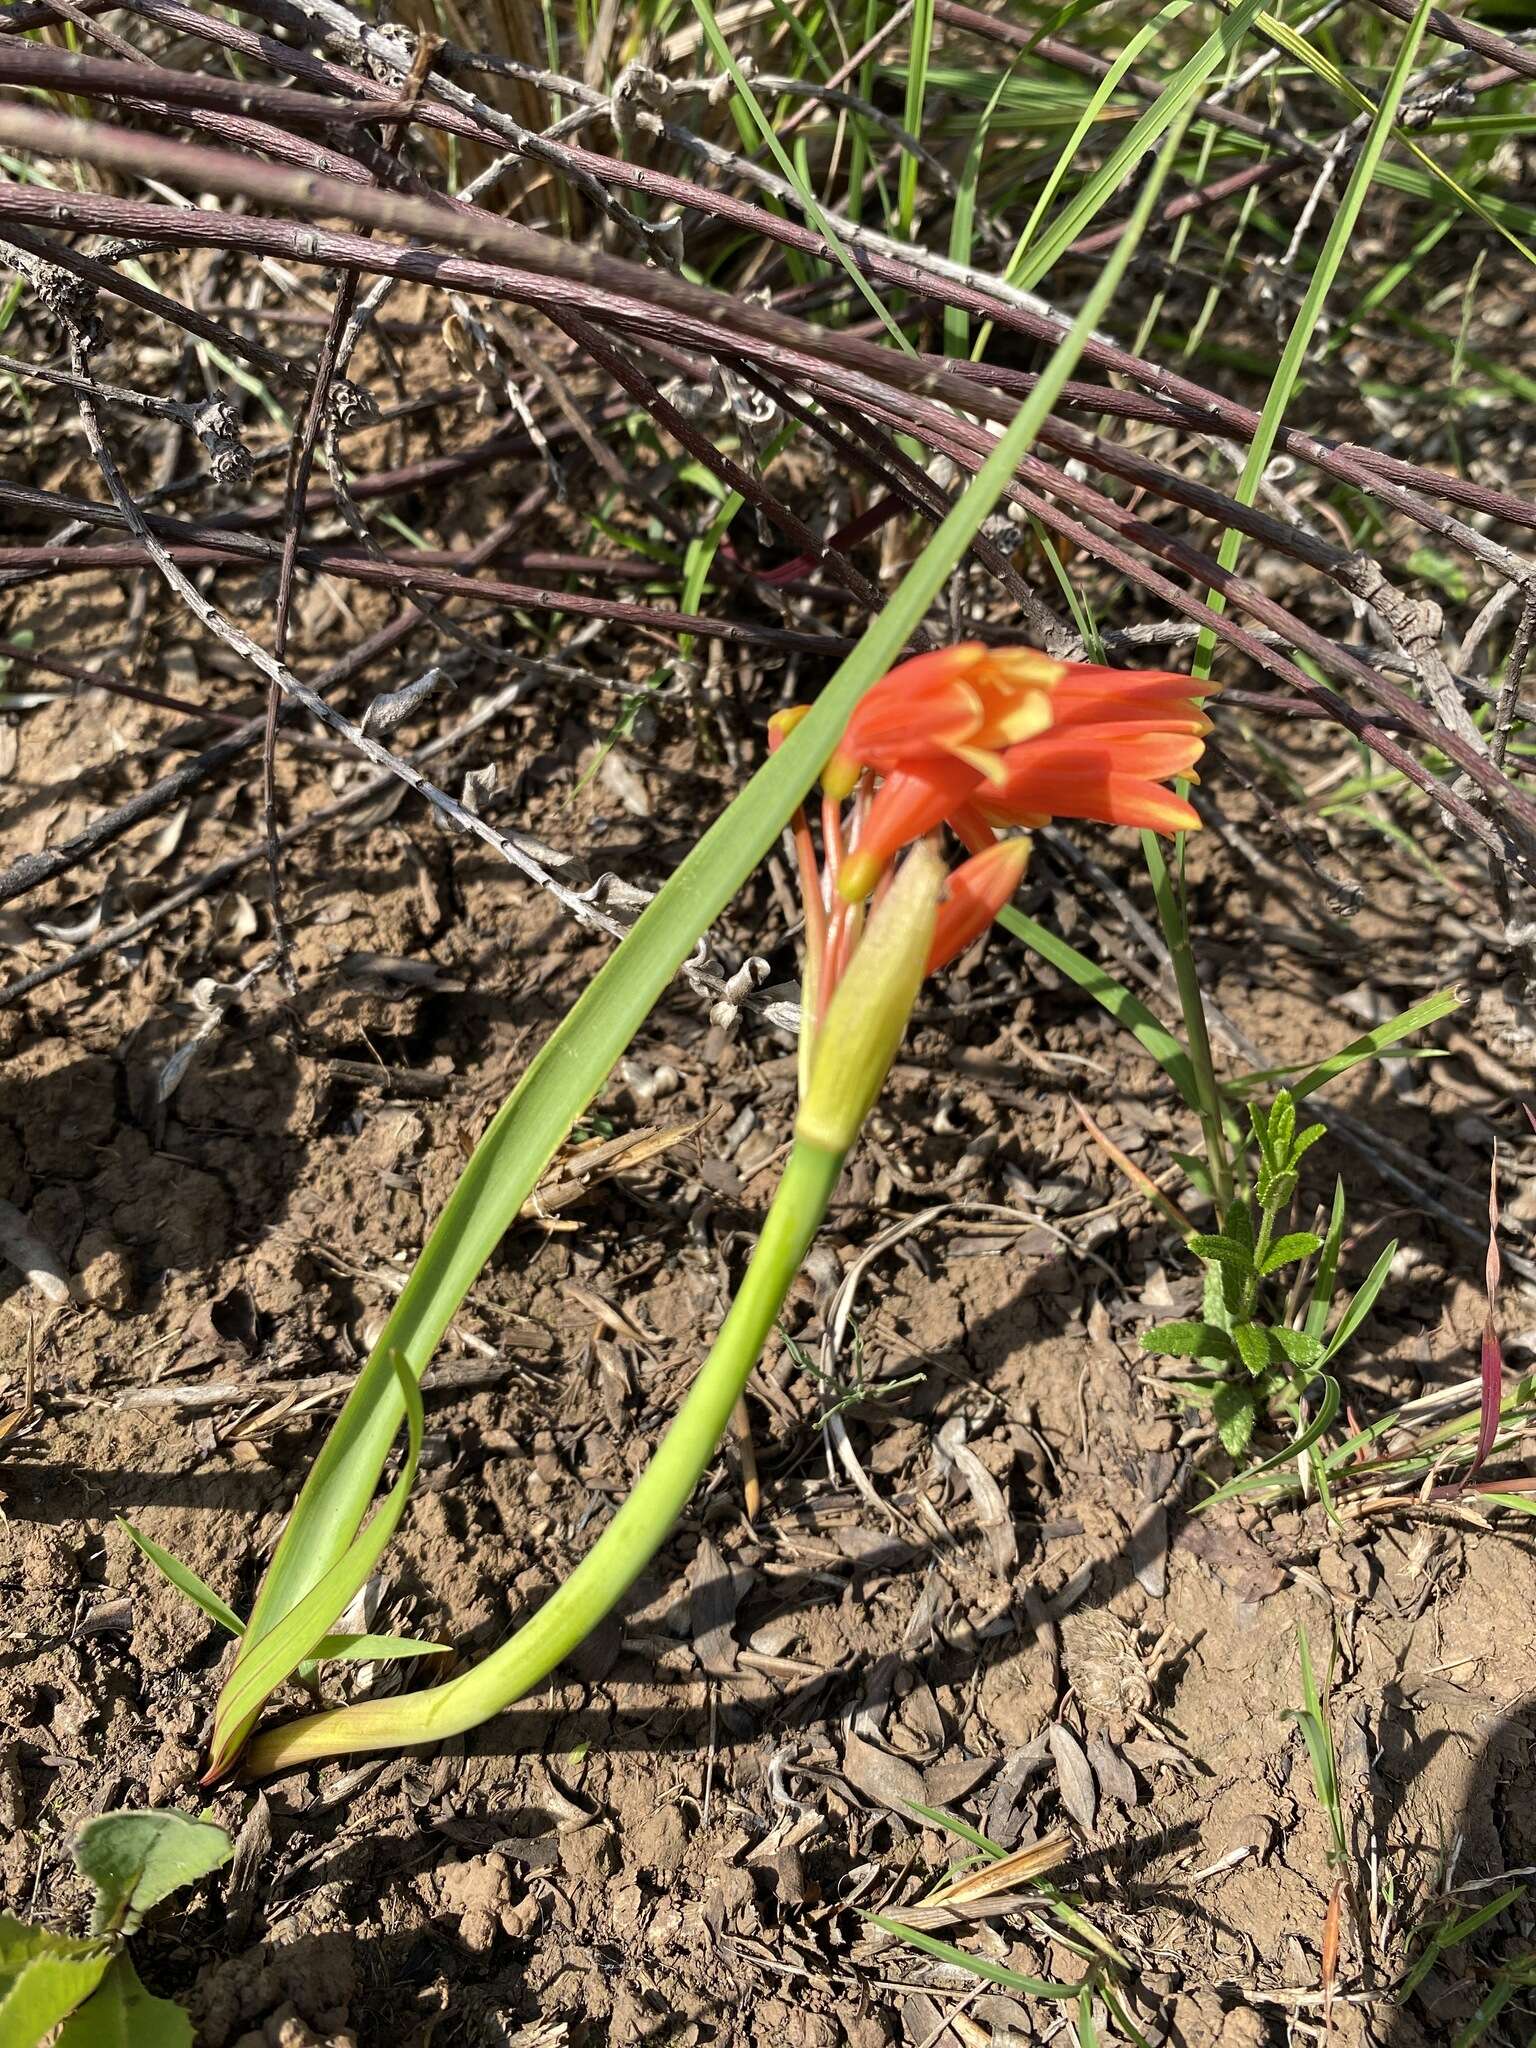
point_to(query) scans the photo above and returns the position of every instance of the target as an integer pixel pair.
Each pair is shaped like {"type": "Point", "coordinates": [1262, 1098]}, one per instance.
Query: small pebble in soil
{"type": "Point", "coordinates": [587, 1854]}
{"type": "Point", "coordinates": [106, 1272]}
{"type": "Point", "coordinates": [659, 1843]}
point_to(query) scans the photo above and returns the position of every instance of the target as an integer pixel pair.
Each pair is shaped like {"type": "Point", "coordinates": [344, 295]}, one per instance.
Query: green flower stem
{"type": "Point", "coordinates": [1171, 909]}
{"type": "Point", "coordinates": [632, 1538]}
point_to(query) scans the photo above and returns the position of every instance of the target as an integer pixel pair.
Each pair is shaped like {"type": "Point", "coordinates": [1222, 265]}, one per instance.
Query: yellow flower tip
{"type": "Point", "coordinates": [783, 723]}
{"type": "Point", "coordinates": [1006, 856]}
{"type": "Point", "coordinates": [858, 875]}
{"type": "Point", "coordinates": [1023, 666]}
{"type": "Point", "coordinates": [840, 777]}
{"type": "Point", "coordinates": [984, 761]}
{"type": "Point", "coordinates": [867, 1016]}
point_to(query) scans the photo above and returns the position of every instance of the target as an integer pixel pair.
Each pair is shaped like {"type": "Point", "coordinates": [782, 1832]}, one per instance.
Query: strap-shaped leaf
{"type": "Point", "coordinates": [185, 1580]}
{"type": "Point", "coordinates": [265, 1661]}
{"type": "Point", "coordinates": [1360, 1307]}
{"type": "Point", "coordinates": [1373, 1043]}
{"type": "Point", "coordinates": [1327, 1266]}
{"type": "Point", "coordinates": [377, 1649]}
{"type": "Point", "coordinates": [979, 1966]}
{"type": "Point", "coordinates": [358, 1648]}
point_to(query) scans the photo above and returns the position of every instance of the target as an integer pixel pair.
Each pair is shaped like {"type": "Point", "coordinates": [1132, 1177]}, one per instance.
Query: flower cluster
{"type": "Point", "coordinates": [981, 739]}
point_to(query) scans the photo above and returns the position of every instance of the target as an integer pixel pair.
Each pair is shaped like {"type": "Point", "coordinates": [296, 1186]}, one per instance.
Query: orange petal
{"type": "Point", "coordinates": [1089, 752]}
{"type": "Point", "coordinates": [1086, 682]}
{"type": "Point", "coordinates": [967, 695]}
{"type": "Point", "coordinates": [1102, 799]}
{"type": "Point", "coordinates": [918, 704]}
{"type": "Point", "coordinates": [978, 889]}
{"type": "Point", "coordinates": [907, 805]}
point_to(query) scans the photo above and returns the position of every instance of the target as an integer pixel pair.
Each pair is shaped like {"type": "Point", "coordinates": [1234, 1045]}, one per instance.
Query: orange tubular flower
{"type": "Point", "coordinates": [960, 703]}
{"type": "Point", "coordinates": [960, 736]}
{"type": "Point", "coordinates": [1112, 774]}
{"type": "Point", "coordinates": [974, 738]}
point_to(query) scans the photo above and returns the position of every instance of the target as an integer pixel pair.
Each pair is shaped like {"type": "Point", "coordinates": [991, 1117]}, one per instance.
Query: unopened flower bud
{"type": "Point", "coordinates": [867, 1015]}
{"type": "Point", "coordinates": [978, 890]}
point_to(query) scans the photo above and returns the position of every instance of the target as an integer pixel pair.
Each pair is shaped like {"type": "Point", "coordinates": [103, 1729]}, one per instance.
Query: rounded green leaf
{"type": "Point", "coordinates": [136, 1859]}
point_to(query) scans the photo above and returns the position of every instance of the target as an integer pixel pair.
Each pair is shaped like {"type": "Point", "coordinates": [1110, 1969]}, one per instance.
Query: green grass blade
{"type": "Point", "coordinates": [1308, 54]}
{"type": "Point", "coordinates": [1170, 109]}
{"type": "Point", "coordinates": [363, 1648]}
{"type": "Point", "coordinates": [1362, 1304]}
{"type": "Point", "coordinates": [699, 557]}
{"type": "Point", "coordinates": [952, 1824]}
{"type": "Point", "coordinates": [1374, 1042]}
{"type": "Point", "coordinates": [1327, 1266]}
{"type": "Point", "coordinates": [946, 1952]}
{"type": "Point", "coordinates": [1087, 120]}
{"type": "Point", "coordinates": [1451, 1934]}
{"type": "Point", "coordinates": [1173, 916]}
{"type": "Point", "coordinates": [921, 42]}
{"type": "Point", "coordinates": [1299, 340]}
{"type": "Point", "coordinates": [962, 226]}
{"type": "Point", "coordinates": [377, 1649]}
{"type": "Point", "coordinates": [813, 212]}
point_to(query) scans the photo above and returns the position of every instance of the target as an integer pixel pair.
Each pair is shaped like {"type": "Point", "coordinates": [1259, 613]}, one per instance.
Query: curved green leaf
{"type": "Point", "coordinates": [1245, 1481]}
{"type": "Point", "coordinates": [136, 1859]}
{"type": "Point", "coordinates": [266, 1658]}
{"type": "Point", "coordinates": [1360, 1307]}
{"type": "Point", "coordinates": [185, 1580]}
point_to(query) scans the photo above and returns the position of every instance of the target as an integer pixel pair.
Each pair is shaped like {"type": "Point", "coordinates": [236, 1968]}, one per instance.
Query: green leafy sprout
{"type": "Point", "coordinates": [87, 1988]}
{"type": "Point", "coordinates": [1263, 1334]}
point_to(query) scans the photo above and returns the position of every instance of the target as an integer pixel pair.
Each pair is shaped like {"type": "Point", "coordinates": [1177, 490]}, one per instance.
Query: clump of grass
{"type": "Point", "coordinates": [1312, 1717]}
{"type": "Point", "coordinates": [994, 1873]}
